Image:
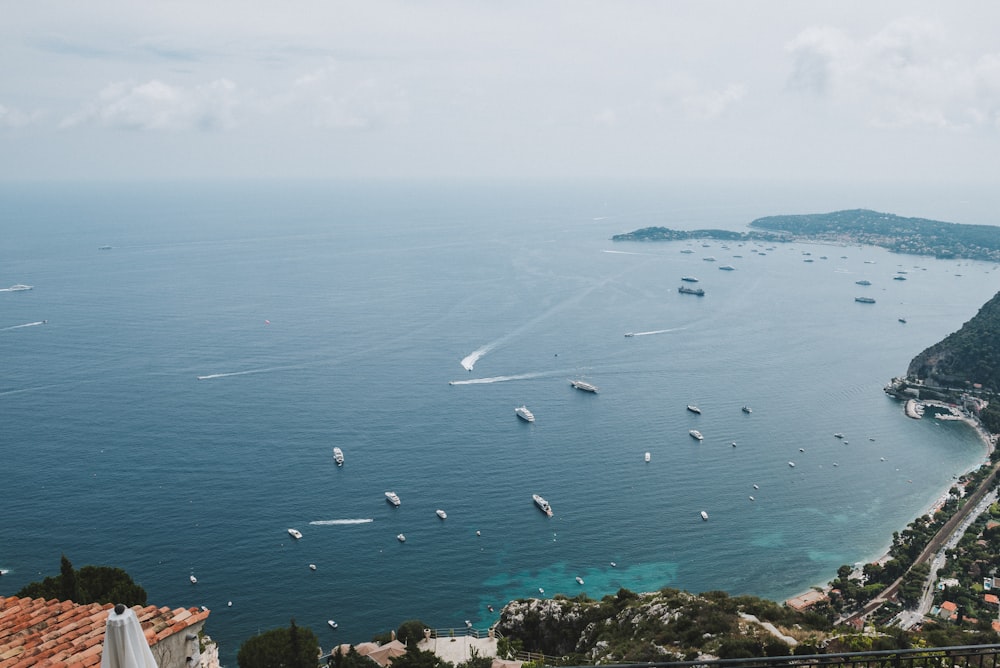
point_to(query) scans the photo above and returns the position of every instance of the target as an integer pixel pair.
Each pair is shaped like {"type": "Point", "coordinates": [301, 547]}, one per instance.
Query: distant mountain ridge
{"type": "Point", "coordinates": [917, 236]}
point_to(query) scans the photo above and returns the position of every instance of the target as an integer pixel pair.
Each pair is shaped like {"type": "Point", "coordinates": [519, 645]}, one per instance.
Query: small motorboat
{"type": "Point", "coordinates": [646, 456]}
{"type": "Point", "coordinates": [312, 567]}
{"type": "Point", "coordinates": [401, 538]}
{"type": "Point", "coordinates": [579, 580]}
{"type": "Point", "coordinates": [193, 579]}
{"type": "Point", "coordinates": [440, 513]}
{"type": "Point", "coordinates": [332, 624]}
{"type": "Point", "coordinates": [704, 515]}
{"type": "Point", "coordinates": [614, 565]}
{"type": "Point", "coordinates": [295, 533]}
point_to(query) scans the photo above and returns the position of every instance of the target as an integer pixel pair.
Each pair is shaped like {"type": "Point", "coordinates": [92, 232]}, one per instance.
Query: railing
{"type": "Point", "coordinates": [968, 656]}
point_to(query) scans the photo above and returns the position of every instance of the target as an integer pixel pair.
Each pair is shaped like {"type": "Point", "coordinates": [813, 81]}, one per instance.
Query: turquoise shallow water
{"type": "Point", "coordinates": [177, 411]}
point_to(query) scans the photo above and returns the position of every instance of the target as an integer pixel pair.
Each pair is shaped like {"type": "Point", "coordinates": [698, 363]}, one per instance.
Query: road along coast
{"type": "Point", "coordinates": [915, 409]}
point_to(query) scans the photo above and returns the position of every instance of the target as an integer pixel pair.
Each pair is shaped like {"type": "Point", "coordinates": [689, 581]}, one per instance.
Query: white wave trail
{"type": "Point", "coordinates": [242, 373]}
{"type": "Point", "coordinates": [27, 324]}
{"type": "Point", "coordinates": [659, 331]}
{"type": "Point", "coordinates": [329, 522]}
{"type": "Point", "coordinates": [497, 379]}
{"type": "Point", "coordinates": [470, 360]}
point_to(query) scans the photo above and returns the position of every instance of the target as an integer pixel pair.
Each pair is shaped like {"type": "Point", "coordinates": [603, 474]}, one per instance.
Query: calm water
{"type": "Point", "coordinates": [177, 411]}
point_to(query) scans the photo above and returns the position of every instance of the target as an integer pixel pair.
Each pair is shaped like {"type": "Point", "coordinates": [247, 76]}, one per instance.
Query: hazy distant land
{"type": "Point", "coordinates": [916, 236]}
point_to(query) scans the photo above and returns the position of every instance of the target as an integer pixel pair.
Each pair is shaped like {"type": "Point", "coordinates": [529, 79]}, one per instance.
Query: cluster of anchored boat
{"type": "Point", "coordinates": [526, 415]}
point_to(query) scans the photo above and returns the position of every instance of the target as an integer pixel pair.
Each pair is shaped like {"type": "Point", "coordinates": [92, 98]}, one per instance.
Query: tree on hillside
{"type": "Point", "coordinates": [90, 584]}
{"type": "Point", "coordinates": [293, 647]}
{"type": "Point", "coordinates": [411, 632]}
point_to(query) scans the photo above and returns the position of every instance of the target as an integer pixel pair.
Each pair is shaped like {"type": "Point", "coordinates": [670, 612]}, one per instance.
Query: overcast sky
{"type": "Point", "coordinates": [507, 89]}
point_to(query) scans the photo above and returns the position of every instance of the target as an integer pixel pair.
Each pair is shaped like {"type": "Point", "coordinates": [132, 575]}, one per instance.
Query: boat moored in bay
{"type": "Point", "coordinates": [583, 385]}
{"type": "Point", "coordinates": [295, 533]}
{"type": "Point", "coordinates": [695, 434]}
{"type": "Point", "coordinates": [338, 456]}
{"type": "Point", "coordinates": [542, 504]}
{"type": "Point", "coordinates": [393, 498]}
{"type": "Point", "coordinates": [864, 300]}
{"type": "Point", "coordinates": [694, 409]}
{"type": "Point", "coordinates": [523, 413]}
{"type": "Point", "coordinates": [684, 290]}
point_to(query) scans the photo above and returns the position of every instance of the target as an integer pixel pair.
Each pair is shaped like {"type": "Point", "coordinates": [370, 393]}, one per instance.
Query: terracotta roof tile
{"type": "Point", "coordinates": [36, 632]}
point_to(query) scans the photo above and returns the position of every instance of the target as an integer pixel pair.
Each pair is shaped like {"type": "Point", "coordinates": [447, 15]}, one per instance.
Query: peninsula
{"type": "Point", "coordinates": [916, 236]}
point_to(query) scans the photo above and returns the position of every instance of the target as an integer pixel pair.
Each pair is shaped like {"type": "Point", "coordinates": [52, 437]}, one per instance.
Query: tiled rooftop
{"type": "Point", "coordinates": [36, 632]}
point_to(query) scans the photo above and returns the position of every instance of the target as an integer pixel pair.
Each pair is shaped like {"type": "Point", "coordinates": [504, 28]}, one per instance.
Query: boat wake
{"type": "Point", "coordinates": [498, 379]}
{"type": "Point", "coordinates": [27, 324]}
{"type": "Point", "coordinates": [659, 331]}
{"type": "Point", "coordinates": [244, 373]}
{"type": "Point", "coordinates": [470, 360]}
{"type": "Point", "coordinates": [338, 522]}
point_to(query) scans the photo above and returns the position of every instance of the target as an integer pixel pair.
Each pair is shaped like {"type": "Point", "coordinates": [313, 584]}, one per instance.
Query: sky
{"type": "Point", "coordinates": [794, 90]}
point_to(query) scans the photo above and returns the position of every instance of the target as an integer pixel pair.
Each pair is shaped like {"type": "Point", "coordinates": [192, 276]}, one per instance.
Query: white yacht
{"type": "Point", "coordinates": [440, 513]}
{"type": "Point", "coordinates": [523, 413]}
{"type": "Point", "coordinates": [579, 580]}
{"type": "Point", "coordinates": [696, 434]}
{"type": "Point", "coordinates": [583, 385]}
{"type": "Point", "coordinates": [694, 409]}
{"type": "Point", "coordinates": [338, 456]}
{"type": "Point", "coordinates": [392, 498]}
{"type": "Point", "coordinates": [401, 538]}
{"type": "Point", "coordinates": [542, 504]}
{"type": "Point", "coordinates": [704, 515]}
{"type": "Point", "coordinates": [193, 579]}
{"type": "Point", "coordinates": [647, 457]}
{"type": "Point", "coordinates": [295, 533]}
{"type": "Point", "coordinates": [332, 624]}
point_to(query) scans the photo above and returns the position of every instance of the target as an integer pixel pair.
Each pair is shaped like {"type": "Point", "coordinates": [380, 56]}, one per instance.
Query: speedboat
{"type": "Point", "coordinates": [629, 335]}
{"type": "Point", "coordinates": [338, 456]}
{"type": "Point", "coordinates": [694, 409]}
{"type": "Point", "coordinates": [696, 434]}
{"type": "Point", "coordinates": [392, 498]}
{"type": "Point", "coordinates": [312, 567]}
{"type": "Point", "coordinates": [523, 413]}
{"type": "Point", "coordinates": [440, 513]}
{"type": "Point", "coordinates": [19, 287]}
{"type": "Point", "coordinates": [295, 533]}
{"type": "Point", "coordinates": [332, 624]}
{"type": "Point", "coordinates": [704, 515]}
{"type": "Point", "coordinates": [582, 385]}
{"type": "Point", "coordinates": [401, 538]}
{"type": "Point", "coordinates": [579, 580]}
{"type": "Point", "coordinates": [747, 409]}
{"type": "Point", "coordinates": [791, 464]}
{"type": "Point", "coordinates": [542, 504]}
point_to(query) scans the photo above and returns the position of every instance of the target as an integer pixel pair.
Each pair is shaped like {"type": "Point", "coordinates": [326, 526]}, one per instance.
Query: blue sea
{"type": "Point", "coordinates": [170, 405]}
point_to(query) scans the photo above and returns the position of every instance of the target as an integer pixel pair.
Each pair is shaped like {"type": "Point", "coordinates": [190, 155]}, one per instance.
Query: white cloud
{"type": "Point", "coordinates": [908, 74]}
{"type": "Point", "coordinates": [15, 118]}
{"type": "Point", "coordinates": [696, 101]}
{"type": "Point", "coordinates": [155, 105]}
{"type": "Point", "coordinates": [332, 97]}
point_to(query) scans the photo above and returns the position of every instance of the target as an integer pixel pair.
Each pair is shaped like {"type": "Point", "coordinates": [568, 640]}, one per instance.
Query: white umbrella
{"type": "Point", "coordinates": [125, 645]}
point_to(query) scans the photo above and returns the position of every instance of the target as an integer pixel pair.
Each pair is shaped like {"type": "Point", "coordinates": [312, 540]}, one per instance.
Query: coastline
{"type": "Point", "coordinates": [988, 439]}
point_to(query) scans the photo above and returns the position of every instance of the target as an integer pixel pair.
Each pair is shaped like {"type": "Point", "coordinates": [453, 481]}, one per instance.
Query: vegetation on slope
{"type": "Point", "coordinates": [917, 236]}
{"type": "Point", "coordinates": [90, 584]}
{"type": "Point", "coordinates": [966, 357]}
